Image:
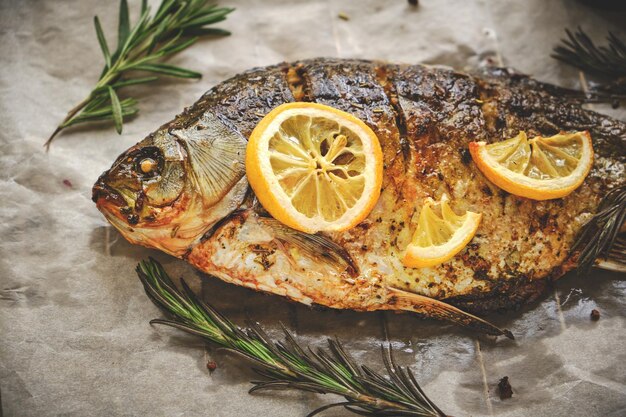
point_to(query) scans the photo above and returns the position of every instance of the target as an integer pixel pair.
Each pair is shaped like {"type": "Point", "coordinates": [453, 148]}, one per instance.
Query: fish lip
{"type": "Point", "coordinates": [102, 193]}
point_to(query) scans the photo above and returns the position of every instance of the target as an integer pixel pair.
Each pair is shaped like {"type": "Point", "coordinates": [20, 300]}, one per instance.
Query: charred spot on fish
{"type": "Point", "coordinates": [384, 76]}
{"type": "Point", "coordinates": [472, 246]}
{"type": "Point", "coordinates": [487, 190]}
{"type": "Point", "coordinates": [263, 253]}
{"type": "Point", "coordinates": [364, 225]}
{"type": "Point", "coordinates": [238, 214]}
{"type": "Point", "coordinates": [521, 106]}
{"type": "Point", "coordinates": [297, 82]}
{"type": "Point", "coordinates": [139, 201]}
{"type": "Point", "coordinates": [481, 274]}
{"type": "Point", "coordinates": [466, 157]}
{"type": "Point", "coordinates": [500, 122]}
{"type": "Point", "coordinates": [132, 219]}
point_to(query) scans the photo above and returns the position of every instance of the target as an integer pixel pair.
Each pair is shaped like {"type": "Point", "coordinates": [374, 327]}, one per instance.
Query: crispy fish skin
{"type": "Point", "coordinates": [425, 118]}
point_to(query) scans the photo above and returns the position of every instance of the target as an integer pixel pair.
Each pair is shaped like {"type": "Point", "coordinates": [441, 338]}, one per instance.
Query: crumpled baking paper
{"type": "Point", "coordinates": [74, 333]}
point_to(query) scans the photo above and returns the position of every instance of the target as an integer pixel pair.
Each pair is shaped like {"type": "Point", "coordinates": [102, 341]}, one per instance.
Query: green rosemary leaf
{"type": "Point", "coordinates": [189, 329]}
{"type": "Point", "coordinates": [142, 45]}
{"type": "Point", "coordinates": [134, 81]}
{"type": "Point", "coordinates": [103, 116]}
{"type": "Point", "coordinates": [102, 41]}
{"type": "Point", "coordinates": [134, 36]}
{"type": "Point", "coordinates": [206, 32]}
{"type": "Point", "coordinates": [580, 51]}
{"type": "Point", "coordinates": [164, 8]}
{"type": "Point", "coordinates": [167, 69]}
{"type": "Point", "coordinates": [117, 110]}
{"type": "Point", "coordinates": [124, 25]}
{"type": "Point", "coordinates": [105, 111]}
{"type": "Point", "coordinates": [123, 83]}
{"type": "Point", "coordinates": [160, 32]}
{"type": "Point", "coordinates": [177, 47]}
{"type": "Point", "coordinates": [212, 17]}
{"type": "Point", "coordinates": [99, 98]}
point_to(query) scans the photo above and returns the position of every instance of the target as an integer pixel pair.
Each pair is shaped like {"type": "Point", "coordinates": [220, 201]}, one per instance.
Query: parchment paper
{"type": "Point", "coordinates": [74, 333]}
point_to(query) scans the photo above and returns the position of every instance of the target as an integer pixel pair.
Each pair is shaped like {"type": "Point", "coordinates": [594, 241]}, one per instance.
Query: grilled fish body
{"type": "Point", "coordinates": [195, 202]}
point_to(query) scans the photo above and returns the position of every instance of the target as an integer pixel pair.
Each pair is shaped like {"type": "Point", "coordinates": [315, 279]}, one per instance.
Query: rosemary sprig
{"type": "Point", "coordinates": [607, 62]}
{"type": "Point", "coordinates": [286, 365]}
{"type": "Point", "coordinates": [176, 25]}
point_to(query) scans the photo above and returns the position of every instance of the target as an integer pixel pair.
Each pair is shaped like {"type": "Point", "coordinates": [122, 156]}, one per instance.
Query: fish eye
{"type": "Point", "coordinates": [148, 162]}
{"type": "Point", "coordinates": [147, 165]}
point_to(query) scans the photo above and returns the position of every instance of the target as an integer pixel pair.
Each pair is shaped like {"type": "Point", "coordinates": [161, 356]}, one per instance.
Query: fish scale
{"type": "Point", "coordinates": [424, 118]}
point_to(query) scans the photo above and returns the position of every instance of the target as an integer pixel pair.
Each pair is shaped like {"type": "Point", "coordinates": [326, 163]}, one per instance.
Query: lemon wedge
{"type": "Point", "coordinates": [539, 168]}
{"type": "Point", "coordinates": [314, 168]}
{"type": "Point", "coordinates": [440, 234]}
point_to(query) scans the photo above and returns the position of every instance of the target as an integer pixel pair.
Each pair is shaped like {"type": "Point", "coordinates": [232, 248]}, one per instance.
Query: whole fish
{"type": "Point", "coordinates": [183, 189]}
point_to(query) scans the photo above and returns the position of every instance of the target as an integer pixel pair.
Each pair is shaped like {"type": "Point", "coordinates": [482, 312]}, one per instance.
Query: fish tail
{"type": "Point", "coordinates": [616, 257]}
{"type": "Point", "coordinates": [602, 237]}
{"type": "Point", "coordinates": [429, 307]}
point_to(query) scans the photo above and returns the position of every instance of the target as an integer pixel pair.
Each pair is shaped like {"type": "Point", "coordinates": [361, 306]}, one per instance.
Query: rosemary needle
{"type": "Point", "coordinates": [286, 365]}
{"type": "Point", "coordinates": [141, 48]}
{"type": "Point", "coordinates": [607, 62]}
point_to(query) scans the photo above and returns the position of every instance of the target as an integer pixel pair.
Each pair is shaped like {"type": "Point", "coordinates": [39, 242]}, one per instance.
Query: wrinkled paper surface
{"type": "Point", "coordinates": [74, 333]}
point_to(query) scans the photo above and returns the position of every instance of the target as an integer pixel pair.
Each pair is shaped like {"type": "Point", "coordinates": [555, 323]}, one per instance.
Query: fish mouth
{"type": "Point", "coordinates": [104, 194]}
{"type": "Point", "coordinates": [111, 203]}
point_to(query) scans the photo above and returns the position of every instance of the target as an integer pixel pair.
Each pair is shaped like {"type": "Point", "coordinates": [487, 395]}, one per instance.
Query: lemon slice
{"type": "Point", "coordinates": [539, 168]}
{"type": "Point", "coordinates": [440, 234]}
{"type": "Point", "coordinates": [314, 168]}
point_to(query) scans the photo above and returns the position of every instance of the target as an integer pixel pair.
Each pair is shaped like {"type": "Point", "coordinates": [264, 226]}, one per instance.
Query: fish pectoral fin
{"type": "Point", "coordinates": [316, 246]}
{"type": "Point", "coordinates": [429, 307]}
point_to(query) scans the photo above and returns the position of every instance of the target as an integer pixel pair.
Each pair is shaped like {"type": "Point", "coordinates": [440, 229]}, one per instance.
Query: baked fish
{"type": "Point", "coordinates": [183, 190]}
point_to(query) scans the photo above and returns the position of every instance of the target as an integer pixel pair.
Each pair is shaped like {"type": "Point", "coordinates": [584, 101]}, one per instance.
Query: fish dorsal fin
{"type": "Point", "coordinates": [216, 156]}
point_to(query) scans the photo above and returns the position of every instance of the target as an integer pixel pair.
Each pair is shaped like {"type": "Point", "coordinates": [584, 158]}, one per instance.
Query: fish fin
{"type": "Point", "coordinates": [599, 237]}
{"type": "Point", "coordinates": [429, 307]}
{"type": "Point", "coordinates": [216, 155]}
{"type": "Point", "coordinates": [616, 258]}
{"type": "Point", "coordinates": [312, 244]}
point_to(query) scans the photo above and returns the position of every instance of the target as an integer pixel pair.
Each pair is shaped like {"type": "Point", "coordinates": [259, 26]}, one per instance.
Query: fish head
{"type": "Point", "coordinates": [167, 191]}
